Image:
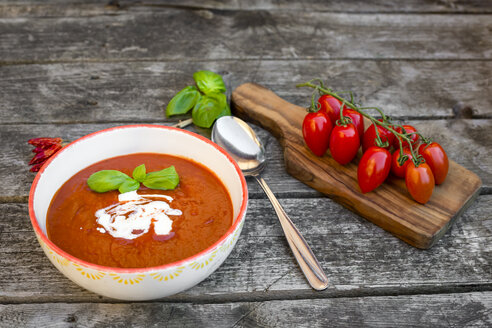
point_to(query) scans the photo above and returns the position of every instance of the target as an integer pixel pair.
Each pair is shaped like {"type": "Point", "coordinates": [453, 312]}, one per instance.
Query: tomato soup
{"type": "Point", "coordinates": [200, 211]}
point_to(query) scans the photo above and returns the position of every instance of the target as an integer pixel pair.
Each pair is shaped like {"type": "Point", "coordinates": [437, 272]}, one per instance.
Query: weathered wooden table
{"type": "Point", "coordinates": [69, 68]}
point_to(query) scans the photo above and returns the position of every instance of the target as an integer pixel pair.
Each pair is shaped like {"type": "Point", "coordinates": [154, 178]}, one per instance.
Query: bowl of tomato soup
{"type": "Point", "coordinates": [146, 243]}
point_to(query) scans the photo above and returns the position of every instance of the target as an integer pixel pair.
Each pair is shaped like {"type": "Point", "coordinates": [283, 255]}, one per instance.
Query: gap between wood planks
{"type": "Point", "coordinates": [160, 121]}
{"type": "Point", "coordinates": [484, 191]}
{"type": "Point", "coordinates": [207, 60]}
{"type": "Point", "coordinates": [261, 296]}
{"type": "Point", "coordinates": [480, 11]}
{"type": "Point", "coordinates": [260, 195]}
{"type": "Point", "coordinates": [114, 7]}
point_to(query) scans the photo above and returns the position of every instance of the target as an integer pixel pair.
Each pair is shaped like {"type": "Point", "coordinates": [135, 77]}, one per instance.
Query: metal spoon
{"type": "Point", "coordinates": [240, 141]}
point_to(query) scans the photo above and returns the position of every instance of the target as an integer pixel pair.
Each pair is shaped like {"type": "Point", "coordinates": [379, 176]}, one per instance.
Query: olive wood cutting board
{"type": "Point", "coordinates": [390, 206]}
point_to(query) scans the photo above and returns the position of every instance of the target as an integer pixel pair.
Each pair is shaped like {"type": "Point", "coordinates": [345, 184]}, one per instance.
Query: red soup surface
{"type": "Point", "coordinates": [205, 204]}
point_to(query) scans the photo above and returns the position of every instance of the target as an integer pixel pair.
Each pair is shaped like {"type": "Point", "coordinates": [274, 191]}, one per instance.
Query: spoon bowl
{"type": "Point", "coordinates": [241, 142]}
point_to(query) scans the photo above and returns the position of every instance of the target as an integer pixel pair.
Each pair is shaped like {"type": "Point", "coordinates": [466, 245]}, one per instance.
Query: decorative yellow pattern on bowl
{"type": "Point", "coordinates": [87, 274]}
{"type": "Point", "coordinates": [60, 260]}
{"type": "Point", "coordinates": [121, 280]}
{"type": "Point", "coordinates": [160, 277]}
{"type": "Point", "coordinates": [200, 264]}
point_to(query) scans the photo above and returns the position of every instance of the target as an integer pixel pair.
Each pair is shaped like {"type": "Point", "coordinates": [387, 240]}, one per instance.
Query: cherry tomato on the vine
{"type": "Point", "coordinates": [369, 138]}
{"type": "Point", "coordinates": [396, 168]}
{"type": "Point", "coordinates": [420, 182]}
{"type": "Point", "coordinates": [344, 143]}
{"type": "Point", "coordinates": [408, 129]}
{"type": "Point", "coordinates": [436, 158]}
{"type": "Point", "coordinates": [331, 106]}
{"type": "Point", "coordinates": [316, 129]}
{"type": "Point", "coordinates": [357, 120]}
{"type": "Point", "coordinates": [374, 167]}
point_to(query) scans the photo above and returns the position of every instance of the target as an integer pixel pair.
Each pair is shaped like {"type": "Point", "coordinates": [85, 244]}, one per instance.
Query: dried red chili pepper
{"type": "Point", "coordinates": [45, 154]}
{"type": "Point", "coordinates": [45, 148]}
{"type": "Point", "coordinates": [36, 167]}
{"type": "Point", "coordinates": [44, 142]}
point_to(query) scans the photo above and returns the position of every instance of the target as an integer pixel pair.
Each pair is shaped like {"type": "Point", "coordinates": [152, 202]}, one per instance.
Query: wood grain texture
{"type": "Point", "coordinates": [465, 142]}
{"type": "Point", "coordinates": [56, 8]}
{"type": "Point", "coordinates": [359, 258]}
{"type": "Point", "coordinates": [92, 66]}
{"type": "Point", "coordinates": [389, 206]}
{"type": "Point", "coordinates": [447, 310]}
{"type": "Point", "coordinates": [153, 33]}
{"type": "Point", "coordinates": [136, 92]}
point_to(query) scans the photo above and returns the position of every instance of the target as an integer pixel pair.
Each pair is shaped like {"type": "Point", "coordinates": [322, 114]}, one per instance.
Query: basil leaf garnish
{"type": "Point", "coordinates": [209, 108]}
{"type": "Point", "coordinates": [164, 179]}
{"type": "Point", "coordinates": [209, 82]}
{"type": "Point", "coordinates": [183, 101]}
{"type": "Point", "coordinates": [129, 185]}
{"type": "Point", "coordinates": [139, 173]}
{"type": "Point", "coordinates": [107, 180]}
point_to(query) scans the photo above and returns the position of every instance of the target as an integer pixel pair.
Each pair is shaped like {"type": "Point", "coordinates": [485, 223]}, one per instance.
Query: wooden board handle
{"type": "Point", "coordinates": [263, 107]}
{"type": "Point", "coordinates": [389, 206]}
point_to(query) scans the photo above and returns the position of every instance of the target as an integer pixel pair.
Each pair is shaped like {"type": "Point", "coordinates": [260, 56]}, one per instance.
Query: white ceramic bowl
{"type": "Point", "coordinates": [141, 283]}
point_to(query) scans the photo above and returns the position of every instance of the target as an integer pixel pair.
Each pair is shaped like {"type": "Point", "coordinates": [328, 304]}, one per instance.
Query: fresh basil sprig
{"type": "Point", "coordinates": [207, 99]}
{"type": "Point", "coordinates": [107, 180]}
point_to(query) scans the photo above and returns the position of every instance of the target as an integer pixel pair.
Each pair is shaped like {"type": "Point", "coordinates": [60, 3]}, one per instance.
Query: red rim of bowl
{"type": "Point", "coordinates": [59, 251]}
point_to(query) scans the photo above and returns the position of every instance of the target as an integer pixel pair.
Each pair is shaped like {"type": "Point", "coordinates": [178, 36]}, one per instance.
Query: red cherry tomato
{"type": "Point", "coordinates": [374, 167]}
{"type": "Point", "coordinates": [357, 120]}
{"type": "Point", "coordinates": [396, 168]}
{"type": "Point", "coordinates": [408, 129]}
{"type": "Point", "coordinates": [420, 182]}
{"type": "Point", "coordinates": [331, 106]}
{"type": "Point", "coordinates": [369, 138]}
{"type": "Point", "coordinates": [316, 129]}
{"type": "Point", "coordinates": [344, 143]}
{"type": "Point", "coordinates": [437, 160]}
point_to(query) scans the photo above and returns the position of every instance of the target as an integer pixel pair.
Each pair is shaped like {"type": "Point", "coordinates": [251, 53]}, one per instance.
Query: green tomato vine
{"type": "Point", "coordinates": [386, 122]}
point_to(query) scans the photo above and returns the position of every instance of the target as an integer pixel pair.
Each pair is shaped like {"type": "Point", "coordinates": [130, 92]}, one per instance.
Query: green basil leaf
{"type": "Point", "coordinates": [164, 179]}
{"type": "Point", "coordinates": [209, 108]}
{"type": "Point", "coordinates": [129, 185]}
{"type": "Point", "coordinates": [209, 82]}
{"type": "Point", "coordinates": [139, 173]}
{"type": "Point", "coordinates": [107, 180]}
{"type": "Point", "coordinates": [183, 101]}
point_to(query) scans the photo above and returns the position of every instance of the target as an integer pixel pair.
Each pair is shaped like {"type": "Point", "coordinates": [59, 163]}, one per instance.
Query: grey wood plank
{"type": "Point", "coordinates": [155, 33]}
{"type": "Point", "coordinates": [467, 142]}
{"type": "Point", "coordinates": [447, 310]}
{"type": "Point", "coordinates": [136, 91]}
{"type": "Point", "coordinates": [12, 8]}
{"type": "Point", "coordinates": [359, 258]}
{"type": "Point", "coordinates": [27, 9]}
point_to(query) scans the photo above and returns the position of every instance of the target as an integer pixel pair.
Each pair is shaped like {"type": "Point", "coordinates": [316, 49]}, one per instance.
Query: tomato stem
{"type": "Point", "coordinates": [344, 120]}
{"type": "Point", "coordinates": [386, 121]}
{"type": "Point", "coordinates": [314, 105]}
